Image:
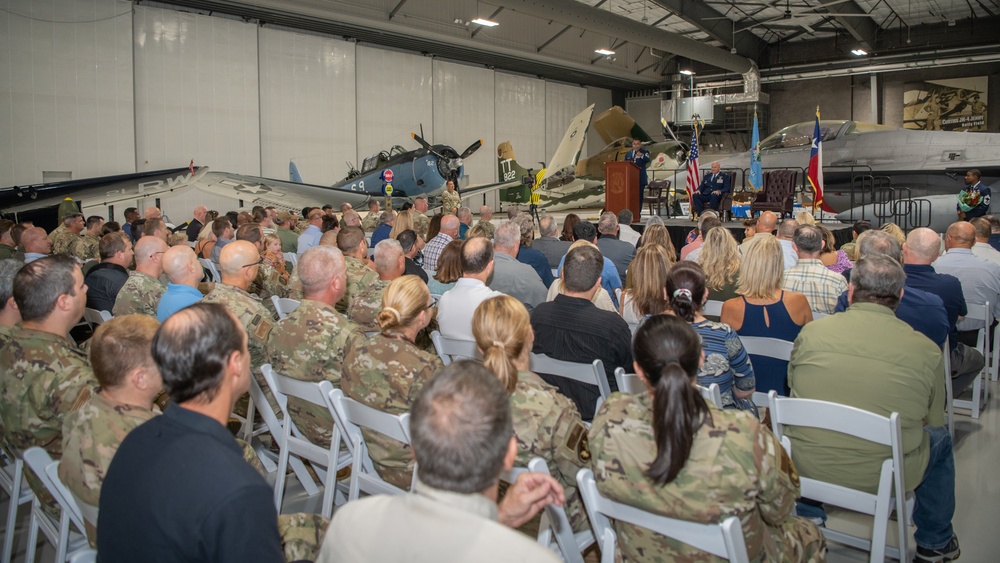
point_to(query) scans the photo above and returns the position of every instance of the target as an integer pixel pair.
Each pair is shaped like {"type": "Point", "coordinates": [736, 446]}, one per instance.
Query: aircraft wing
{"type": "Point", "coordinates": [481, 189]}
{"type": "Point", "coordinates": [613, 124]}
{"type": "Point", "coordinates": [571, 144]}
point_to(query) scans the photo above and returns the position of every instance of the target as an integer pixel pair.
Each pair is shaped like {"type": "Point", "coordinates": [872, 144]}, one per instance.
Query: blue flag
{"type": "Point", "coordinates": [756, 178]}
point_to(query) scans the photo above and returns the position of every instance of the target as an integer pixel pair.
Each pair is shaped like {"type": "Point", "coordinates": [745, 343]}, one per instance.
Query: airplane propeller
{"type": "Point", "coordinates": [450, 160]}
{"type": "Point", "coordinates": [472, 148]}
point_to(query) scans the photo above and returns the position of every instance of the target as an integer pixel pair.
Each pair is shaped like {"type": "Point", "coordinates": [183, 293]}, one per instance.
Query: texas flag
{"type": "Point", "coordinates": [815, 173]}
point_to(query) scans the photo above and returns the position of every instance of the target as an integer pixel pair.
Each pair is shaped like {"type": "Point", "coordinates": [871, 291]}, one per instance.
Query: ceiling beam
{"type": "Point", "coordinates": [864, 30]}
{"type": "Point", "coordinates": [695, 13]}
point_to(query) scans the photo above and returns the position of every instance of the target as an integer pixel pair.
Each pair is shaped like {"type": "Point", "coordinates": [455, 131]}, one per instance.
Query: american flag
{"type": "Point", "coordinates": [694, 175]}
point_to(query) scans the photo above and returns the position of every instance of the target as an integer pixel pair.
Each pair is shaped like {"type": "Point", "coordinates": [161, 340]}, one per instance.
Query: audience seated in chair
{"type": "Point", "coordinates": [809, 276]}
{"type": "Point", "coordinates": [713, 188]}
{"type": "Point", "coordinates": [456, 306]}
{"type": "Point", "coordinates": [669, 452]}
{"type": "Point", "coordinates": [184, 274]}
{"type": "Point", "coordinates": [106, 279]}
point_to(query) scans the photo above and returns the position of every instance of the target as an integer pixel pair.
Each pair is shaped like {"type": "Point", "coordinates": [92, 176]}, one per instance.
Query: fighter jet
{"type": "Point", "coordinates": [859, 158]}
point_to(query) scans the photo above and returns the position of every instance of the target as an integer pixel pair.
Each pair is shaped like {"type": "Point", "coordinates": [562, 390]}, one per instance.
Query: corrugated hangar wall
{"type": "Point", "coordinates": [142, 88]}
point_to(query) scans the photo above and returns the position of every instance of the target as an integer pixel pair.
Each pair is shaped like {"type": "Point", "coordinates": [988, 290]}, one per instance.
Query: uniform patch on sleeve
{"type": "Point", "coordinates": [260, 327]}
{"type": "Point", "coordinates": [577, 442]}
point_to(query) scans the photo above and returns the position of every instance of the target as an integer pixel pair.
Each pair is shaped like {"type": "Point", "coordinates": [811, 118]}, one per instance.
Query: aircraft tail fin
{"type": "Point", "coordinates": [614, 123]}
{"type": "Point", "coordinates": [508, 170]}
{"type": "Point", "coordinates": [293, 173]}
{"type": "Point", "coordinates": [564, 159]}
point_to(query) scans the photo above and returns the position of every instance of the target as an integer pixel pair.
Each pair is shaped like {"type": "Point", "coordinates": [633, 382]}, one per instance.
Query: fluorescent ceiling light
{"type": "Point", "coordinates": [687, 72]}
{"type": "Point", "coordinates": [859, 52]}
{"type": "Point", "coordinates": [605, 52]}
{"type": "Point", "coordinates": [485, 23]}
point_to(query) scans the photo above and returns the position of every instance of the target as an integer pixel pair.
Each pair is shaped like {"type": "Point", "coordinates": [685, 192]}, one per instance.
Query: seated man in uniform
{"type": "Point", "coordinates": [714, 186]}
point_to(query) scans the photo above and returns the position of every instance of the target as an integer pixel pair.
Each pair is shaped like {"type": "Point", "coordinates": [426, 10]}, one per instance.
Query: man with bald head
{"type": "Point", "coordinates": [36, 244]}
{"type": "Point", "coordinates": [142, 291]}
{"type": "Point", "coordinates": [390, 263]}
{"type": "Point", "coordinates": [152, 213]}
{"type": "Point", "coordinates": [982, 247]}
{"type": "Point", "coordinates": [765, 224]}
{"type": "Point", "coordinates": [106, 279]}
{"type": "Point", "coordinates": [432, 250]}
{"type": "Point", "coordinates": [184, 272]}
{"type": "Point", "coordinates": [311, 342]}
{"type": "Point", "coordinates": [456, 306]}
{"type": "Point", "coordinates": [197, 224]}
{"type": "Point", "coordinates": [980, 278]}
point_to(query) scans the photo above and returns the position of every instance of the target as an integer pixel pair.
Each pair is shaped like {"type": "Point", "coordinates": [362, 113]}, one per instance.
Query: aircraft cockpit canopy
{"type": "Point", "coordinates": [379, 160]}
{"type": "Point", "coordinates": [800, 134]}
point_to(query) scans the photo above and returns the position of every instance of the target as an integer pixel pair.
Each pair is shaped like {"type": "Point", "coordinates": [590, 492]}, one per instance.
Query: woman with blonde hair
{"type": "Point", "coordinates": [897, 233]}
{"type": "Point", "coordinates": [387, 370]}
{"type": "Point", "coordinates": [834, 260]}
{"type": "Point", "coordinates": [764, 309]}
{"type": "Point", "coordinates": [805, 218]}
{"type": "Point", "coordinates": [206, 241]}
{"type": "Point", "coordinates": [404, 221]}
{"type": "Point", "coordinates": [655, 233]}
{"type": "Point", "coordinates": [645, 294]}
{"type": "Point", "coordinates": [601, 297]}
{"type": "Point", "coordinates": [720, 258]}
{"type": "Point", "coordinates": [546, 423]}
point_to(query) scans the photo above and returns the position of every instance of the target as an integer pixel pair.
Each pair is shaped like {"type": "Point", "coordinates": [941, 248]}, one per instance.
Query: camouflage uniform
{"type": "Point", "coordinates": [420, 224]}
{"type": "Point", "coordinates": [386, 373]}
{"type": "Point", "coordinates": [359, 278]}
{"type": "Point", "coordinates": [86, 248]}
{"type": "Point", "coordinates": [4, 336]}
{"type": "Point", "coordinates": [267, 283]}
{"type": "Point", "coordinates": [310, 345]}
{"type": "Point", "coordinates": [450, 201]}
{"type": "Point", "coordinates": [367, 304]}
{"type": "Point", "coordinates": [370, 222]}
{"type": "Point", "coordinates": [257, 321]}
{"type": "Point", "coordinates": [139, 296]}
{"type": "Point", "coordinates": [488, 227]}
{"type": "Point", "coordinates": [62, 243]}
{"type": "Point", "coordinates": [91, 436]}
{"type": "Point", "coordinates": [548, 425]}
{"type": "Point", "coordinates": [7, 252]}
{"type": "Point", "coordinates": [57, 232]}
{"type": "Point", "coordinates": [736, 467]}
{"type": "Point", "coordinates": [302, 535]}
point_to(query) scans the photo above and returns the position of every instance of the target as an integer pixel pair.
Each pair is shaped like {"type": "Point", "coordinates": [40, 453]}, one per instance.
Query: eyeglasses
{"type": "Point", "coordinates": [155, 253]}
{"type": "Point", "coordinates": [257, 263]}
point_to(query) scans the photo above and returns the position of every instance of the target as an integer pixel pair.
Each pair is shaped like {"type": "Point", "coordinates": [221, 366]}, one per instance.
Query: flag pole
{"type": "Point", "coordinates": [814, 187]}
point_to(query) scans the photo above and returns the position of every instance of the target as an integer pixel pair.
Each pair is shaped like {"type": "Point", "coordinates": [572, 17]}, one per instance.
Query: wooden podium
{"type": "Point", "coordinates": [621, 187]}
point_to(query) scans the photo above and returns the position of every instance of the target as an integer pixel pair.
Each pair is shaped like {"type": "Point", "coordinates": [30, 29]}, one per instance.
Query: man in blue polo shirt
{"type": "Point", "coordinates": [184, 272]}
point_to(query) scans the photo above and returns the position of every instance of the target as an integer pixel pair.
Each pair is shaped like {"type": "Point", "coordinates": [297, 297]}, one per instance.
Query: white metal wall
{"type": "Point", "coordinates": [394, 97]}
{"type": "Point", "coordinates": [308, 112]}
{"type": "Point", "coordinates": [562, 103]}
{"type": "Point", "coordinates": [463, 113]}
{"type": "Point", "coordinates": [65, 89]}
{"type": "Point", "coordinates": [196, 92]}
{"type": "Point", "coordinates": [520, 117]}
{"type": "Point", "coordinates": [601, 98]}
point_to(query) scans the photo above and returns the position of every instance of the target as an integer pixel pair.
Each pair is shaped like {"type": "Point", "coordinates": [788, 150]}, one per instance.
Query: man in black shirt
{"type": "Point", "coordinates": [178, 488]}
{"type": "Point", "coordinates": [106, 279]}
{"type": "Point", "coordinates": [573, 329]}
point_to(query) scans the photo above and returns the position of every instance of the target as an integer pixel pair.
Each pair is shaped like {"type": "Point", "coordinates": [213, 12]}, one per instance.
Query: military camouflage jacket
{"type": "Point", "coordinates": [268, 283]}
{"type": "Point", "coordinates": [386, 373]}
{"type": "Point", "coordinates": [310, 345]}
{"type": "Point", "coordinates": [251, 313]}
{"type": "Point", "coordinates": [62, 242]}
{"type": "Point", "coordinates": [547, 424]}
{"type": "Point", "coordinates": [367, 304]}
{"type": "Point", "coordinates": [450, 201]}
{"type": "Point", "coordinates": [370, 222]}
{"type": "Point", "coordinates": [420, 224]}
{"type": "Point", "coordinates": [736, 467]}
{"type": "Point", "coordinates": [140, 295]}
{"type": "Point", "coordinates": [86, 248]}
{"type": "Point", "coordinates": [489, 227]}
{"type": "Point", "coordinates": [359, 277]}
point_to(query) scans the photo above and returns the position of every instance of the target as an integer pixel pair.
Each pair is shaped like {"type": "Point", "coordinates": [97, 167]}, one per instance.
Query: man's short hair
{"type": "Point", "coordinates": [250, 232]}
{"type": "Point", "coordinates": [153, 225]}
{"type": "Point", "coordinates": [547, 226]}
{"type": "Point", "coordinates": [708, 224]}
{"type": "Point", "coordinates": [386, 217]}
{"type": "Point", "coordinates": [582, 268]}
{"type": "Point", "coordinates": [625, 217]}
{"type": "Point", "coordinates": [318, 266]}
{"type": "Point", "coordinates": [387, 252]}
{"type": "Point", "coordinates": [259, 215]}
{"type": "Point", "coordinates": [982, 226]}
{"type": "Point", "coordinates": [862, 225]}
{"type": "Point", "coordinates": [608, 223]}
{"type": "Point", "coordinates": [111, 244]}
{"type": "Point", "coordinates": [975, 172]}
{"type": "Point", "coordinates": [461, 427]}
{"type": "Point", "coordinates": [39, 284]}
{"type": "Point", "coordinates": [349, 238]}
{"type": "Point", "coordinates": [130, 212]}
{"type": "Point", "coordinates": [994, 223]}
{"type": "Point", "coordinates": [219, 227]}
{"type": "Point", "coordinates": [786, 229]}
{"type": "Point", "coordinates": [513, 211]}
{"type": "Point", "coordinates": [93, 221]}
{"type": "Point", "coordinates": [706, 214]}
{"type": "Point", "coordinates": [372, 203]}
{"type": "Point", "coordinates": [314, 214]}
{"type": "Point", "coordinates": [407, 239]}
{"type": "Point", "coordinates": [120, 346]}
{"type": "Point", "coordinates": [111, 227]}
{"type": "Point", "coordinates": [477, 253]}
{"type": "Point", "coordinates": [8, 269]}
{"type": "Point", "coordinates": [463, 213]}
{"type": "Point", "coordinates": [585, 230]}
{"type": "Point", "coordinates": [881, 243]}
{"type": "Point", "coordinates": [808, 239]}
{"type": "Point", "coordinates": [15, 233]}
{"type": "Point", "coordinates": [70, 217]}
{"type": "Point", "coordinates": [878, 279]}
{"type": "Point", "coordinates": [192, 348]}
{"type": "Point", "coordinates": [507, 235]}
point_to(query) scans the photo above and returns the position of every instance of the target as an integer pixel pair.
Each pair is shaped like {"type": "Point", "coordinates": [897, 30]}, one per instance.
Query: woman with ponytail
{"type": "Point", "coordinates": [726, 361]}
{"type": "Point", "coordinates": [387, 370]}
{"type": "Point", "coordinates": [669, 452]}
{"type": "Point", "coordinates": [546, 423]}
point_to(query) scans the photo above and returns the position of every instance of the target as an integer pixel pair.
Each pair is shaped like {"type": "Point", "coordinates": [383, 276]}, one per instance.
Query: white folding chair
{"type": "Point", "coordinates": [712, 308]}
{"type": "Point", "coordinates": [864, 425]}
{"type": "Point", "coordinates": [770, 348]}
{"type": "Point", "coordinates": [351, 417]}
{"type": "Point", "coordinates": [630, 383]}
{"type": "Point", "coordinates": [293, 443]}
{"type": "Point", "coordinates": [948, 391]}
{"type": "Point", "coordinates": [209, 266]}
{"type": "Point", "coordinates": [66, 541]}
{"type": "Point", "coordinates": [95, 317]}
{"type": "Point", "coordinates": [723, 540]}
{"type": "Point", "coordinates": [980, 391]}
{"type": "Point", "coordinates": [817, 315]}
{"type": "Point", "coordinates": [284, 306]}
{"type": "Point", "coordinates": [291, 257]}
{"type": "Point", "coordinates": [451, 349]}
{"type": "Point", "coordinates": [591, 374]}
{"type": "Point", "coordinates": [12, 482]}
{"type": "Point", "coordinates": [84, 556]}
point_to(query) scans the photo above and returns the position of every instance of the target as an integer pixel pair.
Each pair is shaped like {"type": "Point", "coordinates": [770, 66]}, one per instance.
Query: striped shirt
{"type": "Point", "coordinates": [821, 286]}
{"type": "Point", "coordinates": [432, 250]}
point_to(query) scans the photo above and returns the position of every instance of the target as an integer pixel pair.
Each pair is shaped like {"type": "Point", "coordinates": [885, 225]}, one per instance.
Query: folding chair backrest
{"type": "Point", "coordinates": [284, 306]}
{"type": "Point", "coordinates": [96, 317]}
{"type": "Point", "coordinates": [723, 540]}
{"type": "Point", "coordinates": [13, 483]}
{"type": "Point", "coordinates": [451, 349]}
{"type": "Point", "coordinates": [591, 374]}
{"type": "Point", "coordinates": [291, 257]}
{"type": "Point", "coordinates": [209, 266]}
{"type": "Point", "coordinates": [630, 383]}
{"type": "Point", "coordinates": [712, 308]}
{"type": "Point", "coordinates": [767, 347]}
{"type": "Point", "coordinates": [948, 390]}
{"type": "Point", "coordinates": [42, 465]}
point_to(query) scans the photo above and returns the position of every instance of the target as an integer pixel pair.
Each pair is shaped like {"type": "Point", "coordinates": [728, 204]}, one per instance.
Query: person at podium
{"type": "Point", "coordinates": [713, 188]}
{"type": "Point", "coordinates": [639, 157]}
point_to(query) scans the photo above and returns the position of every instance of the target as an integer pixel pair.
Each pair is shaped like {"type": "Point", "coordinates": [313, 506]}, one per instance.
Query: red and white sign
{"type": "Point", "coordinates": [387, 175]}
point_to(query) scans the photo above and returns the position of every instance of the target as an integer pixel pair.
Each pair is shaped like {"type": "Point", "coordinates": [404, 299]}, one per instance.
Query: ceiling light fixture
{"type": "Point", "coordinates": [485, 22]}
{"type": "Point", "coordinates": [859, 52]}
{"type": "Point", "coordinates": [605, 52]}
{"type": "Point", "coordinates": [687, 72]}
